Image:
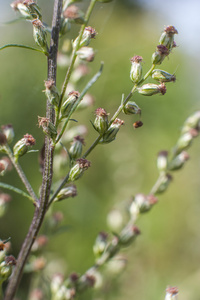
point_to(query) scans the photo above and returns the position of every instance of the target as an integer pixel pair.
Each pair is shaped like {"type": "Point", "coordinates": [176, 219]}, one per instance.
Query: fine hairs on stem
{"type": "Point", "coordinates": [63, 144]}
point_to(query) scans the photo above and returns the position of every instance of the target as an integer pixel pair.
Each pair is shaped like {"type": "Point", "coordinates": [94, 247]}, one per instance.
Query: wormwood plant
{"type": "Point", "coordinates": [60, 106]}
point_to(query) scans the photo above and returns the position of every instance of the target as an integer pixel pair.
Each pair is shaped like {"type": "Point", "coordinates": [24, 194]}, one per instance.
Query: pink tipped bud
{"type": "Point", "coordinates": [150, 89]}
{"type": "Point", "coordinates": [78, 169]}
{"type": "Point", "coordinates": [88, 34]}
{"type": "Point", "coordinates": [167, 37]}
{"type": "Point", "coordinates": [179, 161]}
{"type": "Point", "coordinates": [112, 131]}
{"type": "Point", "coordinates": [171, 293]}
{"type": "Point", "coordinates": [23, 145]}
{"type": "Point", "coordinates": [39, 34]}
{"type": "Point", "coordinates": [136, 68]}
{"type": "Point", "coordinates": [162, 161]}
{"type": "Point", "coordinates": [76, 148]}
{"type": "Point", "coordinates": [163, 76]}
{"type": "Point", "coordinates": [9, 132]}
{"type": "Point", "coordinates": [160, 54]}
{"type": "Point", "coordinates": [101, 120]}
{"type": "Point", "coordinates": [86, 53]}
{"type": "Point", "coordinates": [51, 92]}
{"type": "Point", "coordinates": [69, 103]}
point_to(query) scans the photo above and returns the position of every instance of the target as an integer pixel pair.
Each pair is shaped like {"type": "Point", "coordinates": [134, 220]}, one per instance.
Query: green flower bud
{"type": "Point", "coordinates": [171, 293]}
{"type": "Point", "coordinates": [5, 165]}
{"type": "Point", "coordinates": [51, 92]}
{"type": "Point", "coordinates": [163, 76]}
{"type": "Point", "coordinates": [112, 131]}
{"type": "Point", "coordinates": [160, 54]}
{"type": "Point", "coordinates": [128, 235]}
{"type": "Point", "coordinates": [136, 68]}
{"type": "Point", "coordinates": [88, 34]}
{"type": "Point", "coordinates": [4, 200]}
{"type": "Point", "coordinates": [67, 192]}
{"type": "Point", "coordinates": [73, 13]}
{"type": "Point", "coordinates": [141, 204]}
{"type": "Point", "coordinates": [39, 34]}
{"type": "Point", "coordinates": [164, 183]}
{"type": "Point", "coordinates": [101, 120]}
{"type": "Point", "coordinates": [3, 141]}
{"type": "Point", "coordinates": [100, 244]}
{"type": "Point", "coordinates": [23, 145]}
{"type": "Point", "coordinates": [28, 8]}
{"type": "Point", "coordinates": [8, 131]}
{"type": "Point", "coordinates": [78, 169]}
{"type": "Point", "coordinates": [6, 267]}
{"type": "Point", "coordinates": [76, 148]}
{"type": "Point", "coordinates": [193, 122]}
{"type": "Point", "coordinates": [167, 37]}
{"type": "Point", "coordinates": [185, 141]}
{"type": "Point", "coordinates": [150, 89]}
{"type": "Point", "coordinates": [48, 127]}
{"type": "Point", "coordinates": [162, 161]}
{"type": "Point", "coordinates": [178, 162]}
{"type": "Point", "coordinates": [131, 108]}
{"type": "Point", "coordinates": [69, 103]}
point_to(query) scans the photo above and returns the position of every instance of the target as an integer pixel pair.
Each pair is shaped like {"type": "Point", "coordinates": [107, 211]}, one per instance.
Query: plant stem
{"type": "Point", "coordinates": [22, 175]}
{"type": "Point", "coordinates": [74, 55]}
{"type": "Point", "coordinates": [47, 172]}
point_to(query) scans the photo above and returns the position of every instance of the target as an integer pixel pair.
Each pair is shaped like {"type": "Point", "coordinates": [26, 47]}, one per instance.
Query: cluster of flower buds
{"type": "Point", "coordinates": [23, 146]}
{"type": "Point", "coordinates": [28, 9]}
{"type": "Point", "coordinates": [78, 169]}
{"type": "Point", "coordinates": [166, 44]}
{"type": "Point", "coordinates": [171, 293]}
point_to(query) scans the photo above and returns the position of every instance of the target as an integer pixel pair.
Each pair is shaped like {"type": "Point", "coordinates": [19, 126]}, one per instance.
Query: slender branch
{"type": "Point", "coordinates": [16, 190]}
{"type": "Point", "coordinates": [74, 55]}
{"type": "Point", "coordinates": [23, 46]}
{"type": "Point", "coordinates": [47, 173]}
{"type": "Point", "coordinates": [22, 175]}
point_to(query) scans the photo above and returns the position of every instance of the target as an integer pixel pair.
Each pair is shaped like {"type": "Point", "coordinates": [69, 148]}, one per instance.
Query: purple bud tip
{"type": "Point", "coordinates": [49, 84]}
{"type": "Point", "coordinates": [163, 50]}
{"type": "Point", "coordinates": [171, 30]}
{"type": "Point", "coordinates": [163, 153]}
{"type": "Point", "coordinates": [136, 59]}
{"type": "Point", "coordinates": [78, 138]}
{"type": "Point", "coordinates": [92, 31]}
{"type": "Point", "coordinates": [10, 260]}
{"type": "Point", "coordinates": [83, 163]}
{"type": "Point", "coordinates": [138, 124]}
{"type": "Point", "coordinates": [101, 112]}
{"type": "Point", "coordinates": [172, 290]}
{"type": "Point", "coordinates": [74, 93]}
{"type": "Point", "coordinates": [162, 88]}
{"type": "Point", "coordinates": [30, 141]}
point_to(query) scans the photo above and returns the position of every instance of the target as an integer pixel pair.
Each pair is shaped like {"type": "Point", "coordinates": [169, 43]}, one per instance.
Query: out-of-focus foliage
{"type": "Point", "coordinates": [167, 252]}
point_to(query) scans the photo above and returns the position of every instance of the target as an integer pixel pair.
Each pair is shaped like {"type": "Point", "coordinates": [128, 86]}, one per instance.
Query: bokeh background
{"type": "Point", "coordinates": [167, 251]}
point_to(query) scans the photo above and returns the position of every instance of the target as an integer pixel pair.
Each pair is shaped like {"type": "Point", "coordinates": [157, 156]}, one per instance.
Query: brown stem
{"type": "Point", "coordinates": [48, 162]}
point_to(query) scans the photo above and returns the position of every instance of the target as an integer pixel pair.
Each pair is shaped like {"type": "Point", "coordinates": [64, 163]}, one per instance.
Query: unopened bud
{"type": "Point", "coordinates": [164, 183]}
{"type": "Point", "coordinates": [115, 220]}
{"type": "Point", "coordinates": [131, 108]}
{"type": "Point", "coordinates": [88, 34]}
{"type": "Point", "coordinates": [112, 131]}
{"type": "Point", "coordinates": [85, 281]}
{"type": "Point", "coordinates": [65, 26]}
{"type": "Point", "coordinates": [69, 103]}
{"type": "Point", "coordinates": [8, 131]}
{"type": "Point", "coordinates": [3, 140]}
{"type": "Point", "coordinates": [100, 244]}
{"type": "Point", "coordinates": [23, 145]}
{"type": "Point", "coordinates": [67, 192]}
{"type": "Point", "coordinates": [162, 160]}
{"type": "Point", "coordinates": [185, 141]}
{"type": "Point", "coordinates": [4, 200]}
{"type": "Point", "coordinates": [73, 13]}
{"type": "Point", "coordinates": [78, 169]}
{"type": "Point", "coordinates": [136, 68]}
{"type": "Point", "coordinates": [128, 235]}
{"type": "Point", "coordinates": [48, 127]}
{"type": "Point", "coordinates": [141, 204]}
{"type": "Point", "coordinates": [101, 120]}
{"type": "Point", "coordinates": [163, 76]}
{"type": "Point", "coordinates": [192, 122]}
{"type": "Point", "coordinates": [150, 89]}
{"type": "Point", "coordinates": [52, 92]}
{"type": "Point", "coordinates": [28, 8]}
{"type": "Point", "coordinates": [39, 34]}
{"type": "Point", "coordinates": [76, 148]}
{"type": "Point", "coordinates": [5, 165]}
{"type": "Point", "coordinates": [86, 53]}
{"type": "Point", "coordinates": [160, 54]}
{"type": "Point", "coordinates": [167, 37]}
{"type": "Point", "coordinates": [171, 293]}
{"type": "Point", "coordinates": [178, 162]}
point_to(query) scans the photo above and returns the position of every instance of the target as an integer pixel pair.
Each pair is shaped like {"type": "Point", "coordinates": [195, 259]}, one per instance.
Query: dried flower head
{"type": "Point", "coordinates": [71, 12]}
{"type": "Point", "coordinates": [171, 30]}
{"type": "Point", "coordinates": [10, 260]}
{"type": "Point", "coordinates": [136, 59]}
{"type": "Point", "coordinates": [29, 140]}
{"type": "Point", "coordinates": [137, 124]}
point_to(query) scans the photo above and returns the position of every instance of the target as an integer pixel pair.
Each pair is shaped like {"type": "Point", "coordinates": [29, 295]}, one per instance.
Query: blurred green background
{"type": "Point", "coordinates": [167, 251]}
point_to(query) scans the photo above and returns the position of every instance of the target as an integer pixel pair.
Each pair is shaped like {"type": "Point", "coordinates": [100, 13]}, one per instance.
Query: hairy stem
{"type": "Point", "coordinates": [48, 162]}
